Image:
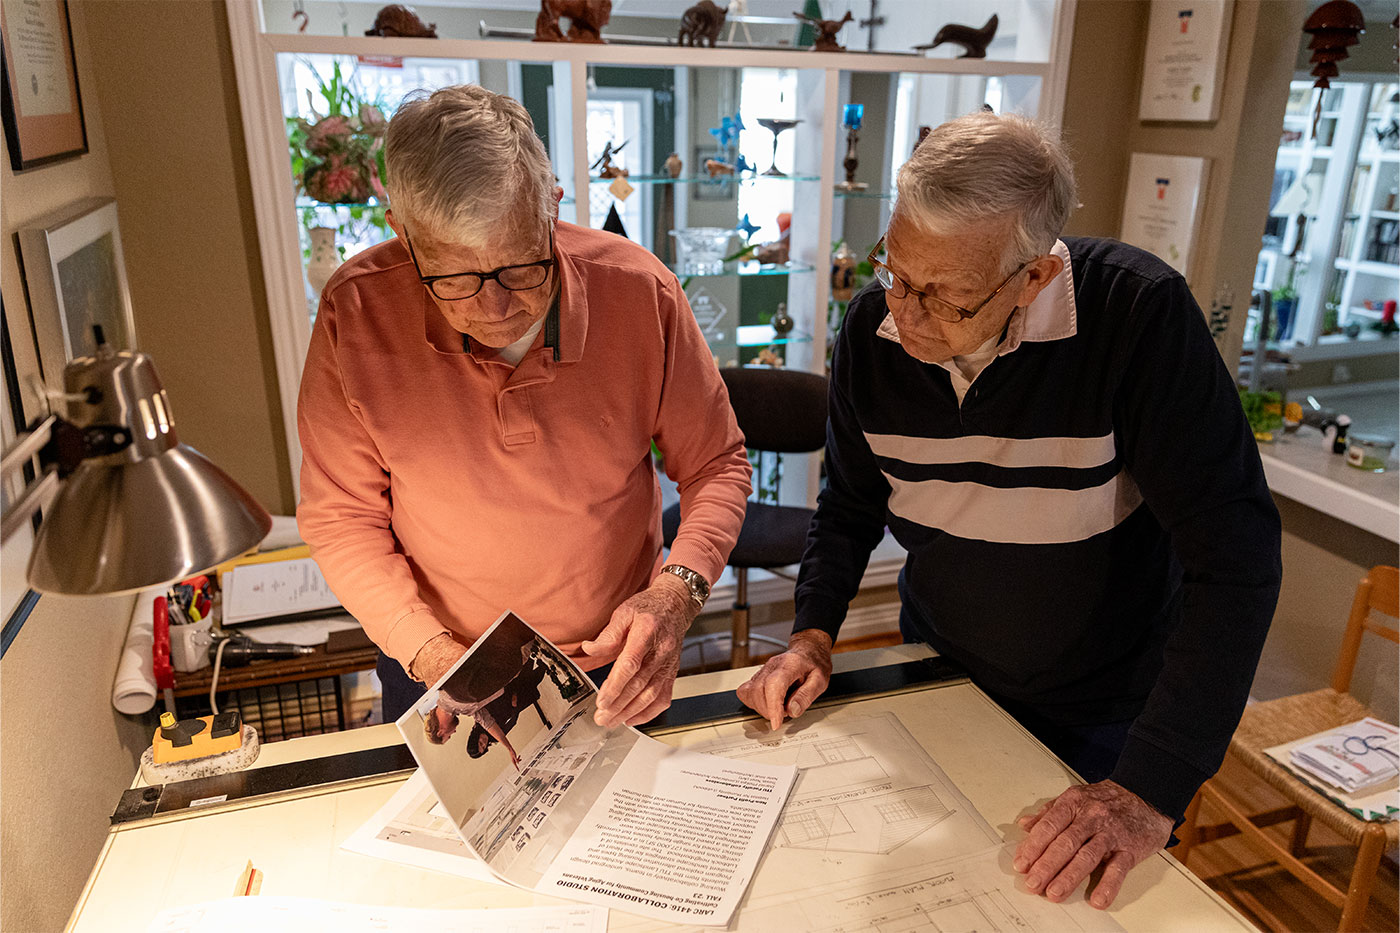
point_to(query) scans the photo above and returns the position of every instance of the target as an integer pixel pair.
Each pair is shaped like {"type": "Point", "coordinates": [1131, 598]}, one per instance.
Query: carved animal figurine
{"type": "Point", "coordinates": [772, 253]}
{"type": "Point", "coordinates": [604, 162]}
{"type": "Point", "coordinates": [701, 22]}
{"type": "Point", "coordinates": [826, 32]}
{"type": "Point", "coordinates": [399, 20]}
{"type": "Point", "coordinates": [717, 168]}
{"type": "Point", "coordinates": [586, 20]}
{"type": "Point", "coordinates": [973, 41]}
{"type": "Point", "coordinates": [673, 165]}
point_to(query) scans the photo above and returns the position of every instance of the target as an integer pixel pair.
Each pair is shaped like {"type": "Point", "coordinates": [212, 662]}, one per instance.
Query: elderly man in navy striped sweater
{"type": "Point", "coordinates": [1046, 426]}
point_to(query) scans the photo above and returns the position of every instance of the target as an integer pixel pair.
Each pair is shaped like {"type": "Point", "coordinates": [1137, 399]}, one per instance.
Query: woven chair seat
{"type": "Point", "coordinates": [1287, 719]}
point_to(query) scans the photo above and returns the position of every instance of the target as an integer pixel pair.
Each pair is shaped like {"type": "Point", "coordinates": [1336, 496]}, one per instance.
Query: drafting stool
{"type": "Point", "coordinates": [779, 411]}
{"type": "Point", "coordinates": [1289, 718]}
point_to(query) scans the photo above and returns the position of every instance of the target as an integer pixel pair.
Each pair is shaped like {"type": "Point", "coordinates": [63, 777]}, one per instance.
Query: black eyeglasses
{"type": "Point", "coordinates": [943, 310]}
{"type": "Point", "coordinates": [517, 278]}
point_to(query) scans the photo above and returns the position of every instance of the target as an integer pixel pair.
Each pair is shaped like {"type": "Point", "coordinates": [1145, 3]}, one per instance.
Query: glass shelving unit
{"type": "Point", "coordinates": [658, 98]}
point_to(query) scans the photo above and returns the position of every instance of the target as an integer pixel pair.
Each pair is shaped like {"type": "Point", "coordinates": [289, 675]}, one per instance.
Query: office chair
{"type": "Point", "coordinates": [1265, 725]}
{"type": "Point", "coordinates": [780, 411]}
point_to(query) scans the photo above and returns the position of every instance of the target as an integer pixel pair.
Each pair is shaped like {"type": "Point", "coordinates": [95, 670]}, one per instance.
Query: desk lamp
{"type": "Point", "coordinates": [126, 505]}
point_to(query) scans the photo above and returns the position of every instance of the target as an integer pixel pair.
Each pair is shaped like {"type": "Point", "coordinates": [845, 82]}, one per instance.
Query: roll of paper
{"type": "Point", "coordinates": [134, 690]}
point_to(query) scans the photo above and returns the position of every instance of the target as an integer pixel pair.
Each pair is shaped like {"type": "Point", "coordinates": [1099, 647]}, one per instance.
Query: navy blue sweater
{"type": "Point", "coordinates": [1089, 533]}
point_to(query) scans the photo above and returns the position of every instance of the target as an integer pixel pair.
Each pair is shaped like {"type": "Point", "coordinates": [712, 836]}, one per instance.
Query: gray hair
{"type": "Point", "coordinates": [987, 167]}
{"type": "Point", "coordinates": [465, 164]}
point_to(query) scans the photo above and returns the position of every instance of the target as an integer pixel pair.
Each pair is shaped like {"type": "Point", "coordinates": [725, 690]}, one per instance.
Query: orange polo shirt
{"type": "Point", "coordinates": [441, 487]}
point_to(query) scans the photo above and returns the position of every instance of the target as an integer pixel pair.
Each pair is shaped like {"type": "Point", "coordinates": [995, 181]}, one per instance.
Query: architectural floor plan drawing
{"type": "Point", "coordinates": [972, 894]}
{"type": "Point", "coordinates": [876, 824]}
{"type": "Point", "coordinates": [863, 786]}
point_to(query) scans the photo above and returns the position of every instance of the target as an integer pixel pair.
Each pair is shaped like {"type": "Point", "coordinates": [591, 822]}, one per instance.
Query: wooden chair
{"type": "Point", "coordinates": [1265, 725]}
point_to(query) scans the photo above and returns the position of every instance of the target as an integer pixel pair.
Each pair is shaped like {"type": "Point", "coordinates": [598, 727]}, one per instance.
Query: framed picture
{"type": "Point", "coordinates": [76, 277]}
{"type": "Point", "coordinates": [1162, 206]}
{"type": "Point", "coordinates": [40, 104]}
{"type": "Point", "coordinates": [720, 188]}
{"type": "Point", "coordinates": [1183, 66]}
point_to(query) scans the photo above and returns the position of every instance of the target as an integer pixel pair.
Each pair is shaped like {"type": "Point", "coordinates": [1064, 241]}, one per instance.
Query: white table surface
{"type": "Point", "coordinates": [144, 868]}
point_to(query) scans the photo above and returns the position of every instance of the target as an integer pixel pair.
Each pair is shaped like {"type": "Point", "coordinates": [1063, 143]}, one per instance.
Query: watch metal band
{"type": "Point", "coordinates": [698, 585]}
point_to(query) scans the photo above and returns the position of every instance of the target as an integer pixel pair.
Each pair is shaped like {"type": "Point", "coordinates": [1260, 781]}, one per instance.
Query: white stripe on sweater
{"type": "Point", "coordinates": [1025, 515]}
{"type": "Point", "coordinates": [1075, 452]}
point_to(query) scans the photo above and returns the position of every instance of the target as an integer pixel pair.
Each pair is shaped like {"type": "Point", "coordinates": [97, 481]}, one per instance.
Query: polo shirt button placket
{"type": "Point", "coordinates": [517, 416]}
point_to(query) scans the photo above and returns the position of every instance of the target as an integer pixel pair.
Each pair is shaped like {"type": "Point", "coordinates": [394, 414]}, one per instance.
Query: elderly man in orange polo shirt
{"type": "Point", "coordinates": [477, 411]}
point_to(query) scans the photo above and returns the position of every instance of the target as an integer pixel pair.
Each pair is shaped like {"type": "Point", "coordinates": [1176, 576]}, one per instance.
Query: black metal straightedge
{"type": "Point", "coordinates": [221, 790]}
{"type": "Point", "coordinates": [715, 707]}
{"type": "Point", "coordinates": [140, 803]}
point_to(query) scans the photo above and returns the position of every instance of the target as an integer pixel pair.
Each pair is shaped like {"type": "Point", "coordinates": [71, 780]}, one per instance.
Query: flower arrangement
{"type": "Point", "coordinates": [339, 158]}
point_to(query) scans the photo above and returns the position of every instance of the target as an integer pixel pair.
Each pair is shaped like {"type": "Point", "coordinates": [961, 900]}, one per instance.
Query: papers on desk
{"type": "Point", "coordinates": [412, 828]}
{"type": "Point", "coordinates": [311, 632]}
{"type": "Point", "coordinates": [299, 914]}
{"type": "Point", "coordinates": [556, 804]}
{"type": "Point", "coordinates": [284, 589]}
{"type": "Point", "coordinates": [1354, 765]}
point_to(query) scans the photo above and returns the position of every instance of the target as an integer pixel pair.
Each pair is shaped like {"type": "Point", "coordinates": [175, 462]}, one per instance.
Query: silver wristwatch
{"type": "Point", "coordinates": [699, 586]}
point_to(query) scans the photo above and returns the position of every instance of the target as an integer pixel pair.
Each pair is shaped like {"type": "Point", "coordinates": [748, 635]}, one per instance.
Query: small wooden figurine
{"type": "Point", "coordinates": [399, 20]}
{"type": "Point", "coordinates": [604, 162]}
{"type": "Point", "coordinates": [586, 20]}
{"type": "Point", "coordinates": [673, 165]}
{"type": "Point", "coordinates": [717, 168]}
{"type": "Point", "coordinates": [973, 41]}
{"type": "Point", "coordinates": [826, 31]}
{"type": "Point", "coordinates": [702, 22]}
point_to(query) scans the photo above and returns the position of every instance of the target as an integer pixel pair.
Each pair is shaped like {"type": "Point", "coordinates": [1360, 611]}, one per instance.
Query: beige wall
{"type": "Point", "coordinates": [179, 164]}
{"type": "Point", "coordinates": [65, 754]}
{"type": "Point", "coordinates": [1101, 106]}
{"type": "Point", "coordinates": [1323, 560]}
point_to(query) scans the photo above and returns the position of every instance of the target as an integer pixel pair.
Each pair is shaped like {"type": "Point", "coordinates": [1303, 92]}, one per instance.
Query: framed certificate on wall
{"type": "Point", "coordinates": [1162, 206]}
{"type": "Point", "coordinates": [1184, 64]}
{"type": "Point", "coordinates": [40, 105]}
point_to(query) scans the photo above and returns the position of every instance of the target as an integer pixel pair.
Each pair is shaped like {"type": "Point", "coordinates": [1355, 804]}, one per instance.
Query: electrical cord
{"type": "Point", "coordinates": [214, 680]}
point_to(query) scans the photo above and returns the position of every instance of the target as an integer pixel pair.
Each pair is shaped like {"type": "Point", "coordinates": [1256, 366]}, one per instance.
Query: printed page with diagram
{"type": "Point", "coordinates": [552, 802]}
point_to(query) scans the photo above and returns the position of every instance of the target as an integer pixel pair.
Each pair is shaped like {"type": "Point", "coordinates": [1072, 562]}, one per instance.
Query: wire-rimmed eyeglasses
{"type": "Point", "coordinates": [943, 310]}
{"type": "Point", "coordinates": [520, 277]}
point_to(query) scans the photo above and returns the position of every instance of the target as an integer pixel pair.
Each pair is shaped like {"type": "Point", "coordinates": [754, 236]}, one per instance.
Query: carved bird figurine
{"type": "Point", "coordinates": [973, 41]}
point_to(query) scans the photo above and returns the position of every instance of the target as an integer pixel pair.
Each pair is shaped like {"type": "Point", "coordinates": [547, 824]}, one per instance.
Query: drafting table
{"type": "Point", "coordinates": [190, 855]}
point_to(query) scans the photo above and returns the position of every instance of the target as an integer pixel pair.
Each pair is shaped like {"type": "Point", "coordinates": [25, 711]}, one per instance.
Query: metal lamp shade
{"type": "Point", "coordinates": [150, 512]}
{"type": "Point", "coordinates": [119, 529]}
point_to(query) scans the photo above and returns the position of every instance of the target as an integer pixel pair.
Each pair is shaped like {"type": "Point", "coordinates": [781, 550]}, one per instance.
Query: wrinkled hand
{"type": "Point", "coordinates": [435, 658]}
{"type": "Point", "coordinates": [648, 628]}
{"type": "Point", "coordinates": [1087, 825]}
{"type": "Point", "coordinates": [807, 662]}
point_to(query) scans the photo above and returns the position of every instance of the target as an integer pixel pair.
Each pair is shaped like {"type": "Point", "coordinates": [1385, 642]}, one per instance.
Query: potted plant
{"type": "Point", "coordinates": [1264, 412]}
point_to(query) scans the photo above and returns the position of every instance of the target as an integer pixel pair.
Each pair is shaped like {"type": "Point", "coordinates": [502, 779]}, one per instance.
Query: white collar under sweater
{"type": "Point", "coordinates": [1052, 316]}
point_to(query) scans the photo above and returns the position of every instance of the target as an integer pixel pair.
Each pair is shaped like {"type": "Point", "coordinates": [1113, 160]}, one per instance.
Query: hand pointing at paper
{"type": "Point", "coordinates": [806, 665]}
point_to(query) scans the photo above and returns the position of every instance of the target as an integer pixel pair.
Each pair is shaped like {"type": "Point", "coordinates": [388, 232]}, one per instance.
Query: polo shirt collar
{"type": "Point", "coordinates": [1052, 316]}
{"type": "Point", "coordinates": [573, 306]}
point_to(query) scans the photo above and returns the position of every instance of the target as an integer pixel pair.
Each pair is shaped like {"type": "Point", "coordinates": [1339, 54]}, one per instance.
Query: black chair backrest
{"type": "Point", "coordinates": [778, 409]}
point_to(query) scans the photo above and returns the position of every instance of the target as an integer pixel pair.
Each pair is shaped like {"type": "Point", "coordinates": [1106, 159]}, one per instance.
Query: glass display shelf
{"type": "Point", "coordinates": [763, 335]}
{"type": "Point", "coordinates": [703, 179]}
{"type": "Point", "coordinates": [865, 195]}
{"type": "Point", "coordinates": [745, 268]}
{"type": "Point", "coordinates": [303, 202]}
